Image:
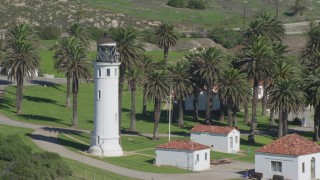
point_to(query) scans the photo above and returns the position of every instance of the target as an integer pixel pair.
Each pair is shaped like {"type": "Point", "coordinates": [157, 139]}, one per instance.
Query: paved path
{"type": "Point", "coordinates": [46, 138]}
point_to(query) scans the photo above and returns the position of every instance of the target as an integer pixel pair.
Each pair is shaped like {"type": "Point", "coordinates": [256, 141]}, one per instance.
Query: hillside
{"type": "Point", "coordinates": [143, 13]}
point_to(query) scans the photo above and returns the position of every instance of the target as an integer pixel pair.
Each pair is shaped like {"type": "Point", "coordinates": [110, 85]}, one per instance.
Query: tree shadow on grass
{"type": "Point", "coordinates": [151, 161]}
{"type": "Point", "coordinates": [59, 141]}
{"type": "Point", "coordinates": [5, 82]}
{"type": "Point", "coordinates": [5, 103]}
{"type": "Point", "coordinates": [39, 99]}
{"type": "Point", "coordinates": [42, 118]}
{"type": "Point", "coordinates": [46, 83]}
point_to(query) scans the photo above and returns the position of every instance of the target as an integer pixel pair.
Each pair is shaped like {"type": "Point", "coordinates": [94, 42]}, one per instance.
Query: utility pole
{"type": "Point", "coordinates": [244, 17]}
{"type": "Point", "coordinates": [169, 114]}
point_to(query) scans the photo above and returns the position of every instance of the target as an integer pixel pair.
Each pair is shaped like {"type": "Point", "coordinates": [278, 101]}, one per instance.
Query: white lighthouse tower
{"type": "Point", "coordinates": [105, 137]}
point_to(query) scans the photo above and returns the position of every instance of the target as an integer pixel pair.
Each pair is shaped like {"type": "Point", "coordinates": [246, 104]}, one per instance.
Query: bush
{"type": "Point", "coordinates": [196, 4]}
{"type": "Point", "coordinates": [226, 37]}
{"type": "Point", "coordinates": [95, 33]}
{"type": "Point", "coordinates": [48, 32]}
{"type": "Point", "coordinates": [148, 36]}
{"type": "Point", "coordinates": [177, 3]}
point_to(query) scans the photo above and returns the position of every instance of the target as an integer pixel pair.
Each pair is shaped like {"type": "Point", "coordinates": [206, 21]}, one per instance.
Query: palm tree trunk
{"type": "Point", "coordinates": [166, 53]}
{"type": "Point", "coordinates": [133, 110]}
{"type": "Point", "coordinates": [195, 105]}
{"type": "Point", "coordinates": [221, 118]}
{"type": "Point", "coordinates": [208, 105]}
{"type": "Point", "coordinates": [264, 99]}
{"type": "Point", "coordinates": [144, 104]}
{"type": "Point", "coordinates": [75, 110]}
{"type": "Point", "coordinates": [272, 121]}
{"type": "Point", "coordinates": [316, 122]}
{"type": "Point", "coordinates": [246, 113]}
{"type": "Point", "coordinates": [19, 94]}
{"type": "Point", "coordinates": [121, 81]}
{"type": "Point", "coordinates": [229, 117]}
{"type": "Point", "coordinates": [157, 113]}
{"type": "Point", "coordinates": [254, 111]}
{"type": "Point", "coordinates": [180, 119]}
{"type": "Point", "coordinates": [285, 123]}
{"type": "Point", "coordinates": [280, 124]}
{"type": "Point", "coordinates": [234, 121]}
{"type": "Point", "coordinates": [68, 91]}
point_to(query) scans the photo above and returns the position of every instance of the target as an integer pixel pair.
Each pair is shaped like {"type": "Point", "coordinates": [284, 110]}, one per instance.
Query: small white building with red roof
{"type": "Point", "coordinates": [183, 154]}
{"type": "Point", "coordinates": [292, 156]}
{"type": "Point", "coordinates": [219, 138]}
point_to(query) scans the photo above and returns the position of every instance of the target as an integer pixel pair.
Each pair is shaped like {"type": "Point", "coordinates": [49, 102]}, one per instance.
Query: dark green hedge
{"type": "Point", "coordinates": [228, 38]}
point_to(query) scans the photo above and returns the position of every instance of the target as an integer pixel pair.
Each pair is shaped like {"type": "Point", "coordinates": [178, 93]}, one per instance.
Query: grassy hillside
{"type": "Point", "coordinates": [143, 13]}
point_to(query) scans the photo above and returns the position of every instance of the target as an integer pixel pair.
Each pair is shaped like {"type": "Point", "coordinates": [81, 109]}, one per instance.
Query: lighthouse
{"type": "Point", "coordinates": [105, 137]}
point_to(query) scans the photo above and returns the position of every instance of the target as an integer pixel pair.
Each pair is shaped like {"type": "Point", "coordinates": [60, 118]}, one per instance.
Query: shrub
{"type": "Point", "coordinates": [95, 33]}
{"type": "Point", "coordinates": [148, 36]}
{"type": "Point", "coordinates": [196, 4]}
{"type": "Point", "coordinates": [177, 3]}
{"type": "Point", "coordinates": [48, 32]}
{"type": "Point", "coordinates": [226, 37]}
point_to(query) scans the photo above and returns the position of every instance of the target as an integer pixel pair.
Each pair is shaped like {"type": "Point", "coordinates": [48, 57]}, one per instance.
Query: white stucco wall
{"type": "Point", "coordinates": [105, 137]}
{"type": "Point", "coordinates": [218, 142]}
{"type": "Point", "coordinates": [183, 159]}
{"type": "Point", "coordinates": [201, 102]}
{"type": "Point", "coordinates": [260, 92]}
{"type": "Point", "coordinates": [307, 161]}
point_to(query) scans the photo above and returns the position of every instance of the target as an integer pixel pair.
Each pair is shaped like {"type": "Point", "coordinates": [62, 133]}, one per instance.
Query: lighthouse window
{"type": "Point", "coordinates": [99, 73]}
{"type": "Point", "coordinates": [99, 95]}
{"type": "Point", "coordinates": [108, 72]}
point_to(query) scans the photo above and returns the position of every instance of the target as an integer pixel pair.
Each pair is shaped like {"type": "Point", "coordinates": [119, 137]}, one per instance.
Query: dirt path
{"type": "Point", "coordinates": [47, 139]}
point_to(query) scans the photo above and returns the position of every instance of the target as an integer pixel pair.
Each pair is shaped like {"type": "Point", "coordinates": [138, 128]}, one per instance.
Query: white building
{"type": "Point", "coordinates": [291, 156]}
{"type": "Point", "coordinates": [105, 137]}
{"type": "Point", "coordinates": [215, 100]}
{"type": "Point", "coordinates": [202, 102]}
{"type": "Point", "coordinates": [219, 138]}
{"type": "Point", "coordinates": [183, 154]}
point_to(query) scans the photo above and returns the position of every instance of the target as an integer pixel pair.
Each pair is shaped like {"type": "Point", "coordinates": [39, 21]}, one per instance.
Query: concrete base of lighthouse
{"type": "Point", "coordinates": [108, 148]}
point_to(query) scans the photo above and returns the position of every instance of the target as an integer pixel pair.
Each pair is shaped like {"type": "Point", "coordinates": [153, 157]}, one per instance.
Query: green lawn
{"type": "Point", "coordinates": [139, 152]}
{"type": "Point", "coordinates": [81, 168]}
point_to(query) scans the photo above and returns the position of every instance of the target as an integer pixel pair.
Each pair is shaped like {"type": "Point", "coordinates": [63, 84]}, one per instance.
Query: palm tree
{"type": "Point", "coordinates": [21, 58]}
{"type": "Point", "coordinates": [134, 77]}
{"type": "Point", "coordinates": [61, 62]}
{"type": "Point", "coordinates": [297, 8]}
{"type": "Point", "coordinates": [146, 65]}
{"type": "Point", "coordinates": [182, 87]}
{"type": "Point", "coordinates": [78, 31]}
{"type": "Point", "coordinates": [233, 88]}
{"type": "Point", "coordinates": [156, 87]}
{"type": "Point", "coordinates": [312, 46]}
{"type": "Point", "coordinates": [209, 69]}
{"type": "Point", "coordinates": [257, 62]}
{"type": "Point", "coordinates": [286, 97]}
{"type": "Point", "coordinates": [80, 68]}
{"type": "Point", "coordinates": [312, 89]}
{"type": "Point", "coordinates": [165, 37]}
{"type": "Point", "coordinates": [265, 25]}
{"type": "Point", "coordinates": [129, 54]}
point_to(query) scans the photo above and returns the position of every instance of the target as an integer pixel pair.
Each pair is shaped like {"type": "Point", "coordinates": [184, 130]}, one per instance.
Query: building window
{"type": "Point", "coordinates": [303, 167]}
{"type": "Point", "coordinates": [276, 166]}
{"type": "Point", "coordinates": [99, 73]}
{"type": "Point", "coordinates": [99, 95]}
{"type": "Point", "coordinates": [231, 142]}
{"type": "Point", "coordinates": [205, 156]}
{"type": "Point", "coordinates": [236, 140]}
{"type": "Point", "coordinates": [259, 90]}
{"type": "Point", "coordinates": [115, 72]}
{"type": "Point", "coordinates": [108, 72]}
{"type": "Point", "coordinates": [197, 157]}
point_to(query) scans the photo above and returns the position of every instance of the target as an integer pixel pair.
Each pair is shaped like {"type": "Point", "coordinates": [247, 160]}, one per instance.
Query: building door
{"type": "Point", "coordinates": [313, 170]}
{"type": "Point", "coordinates": [231, 142]}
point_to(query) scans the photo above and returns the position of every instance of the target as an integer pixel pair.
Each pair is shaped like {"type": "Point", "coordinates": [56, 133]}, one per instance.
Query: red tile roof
{"type": "Point", "coordinates": [212, 129]}
{"type": "Point", "coordinates": [291, 144]}
{"type": "Point", "coordinates": [183, 145]}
